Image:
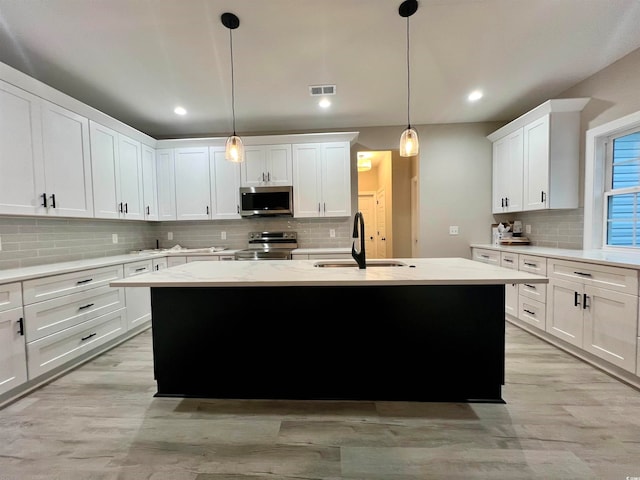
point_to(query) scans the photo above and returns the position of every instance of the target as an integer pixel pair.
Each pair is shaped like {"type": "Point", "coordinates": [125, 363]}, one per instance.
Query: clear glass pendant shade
{"type": "Point", "coordinates": [409, 144]}
{"type": "Point", "coordinates": [234, 149]}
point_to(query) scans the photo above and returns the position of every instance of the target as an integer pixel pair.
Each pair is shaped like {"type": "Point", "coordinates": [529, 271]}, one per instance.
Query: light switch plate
{"type": "Point", "coordinates": [453, 230]}
{"type": "Point", "coordinates": [223, 235]}
{"type": "Point", "coordinates": [332, 232]}
{"type": "Point", "coordinates": [169, 235]}
{"type": "Point", "coordinates": [114, 238]}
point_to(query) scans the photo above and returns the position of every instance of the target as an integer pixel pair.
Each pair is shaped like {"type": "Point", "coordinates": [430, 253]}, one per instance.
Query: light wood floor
{"type": "Point", "coordinates": [562, 419]}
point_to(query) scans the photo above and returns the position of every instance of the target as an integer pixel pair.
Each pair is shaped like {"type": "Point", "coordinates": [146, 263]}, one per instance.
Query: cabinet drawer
{"type": "Point", "coordinates": [534, 291]}
{"type": "Point", "coordinates": [137, 268]}
{"type": "Point", "coordinates": [10, 296]}
{"type": "Point", "coordinates": [532, 264]}
{"type": "Point", "coordinates": [160, 264]}
{"type": "Point", "coordinates": [486, 256]}
{"type": "Point", "coordinates": [623, 280]}
{"type": "Point", "coordinates": [57, 349]}
{"type": "Point", "coordinates": [173, 261]}
{"type": "Point", "coordinates": [509, 260]}
{"type": "Point", "coordinates": [532, 311]}
{"type": "Point", "coordinates": [51, 316]}
{"type": "Point", "coordinates": [46, 288]}
{"type": "Point", "coordinates": [203, 258]}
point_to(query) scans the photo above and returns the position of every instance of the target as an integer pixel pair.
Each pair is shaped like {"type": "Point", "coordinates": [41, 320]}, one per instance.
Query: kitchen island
{"type": "Point", "coordinates": [431, 330]}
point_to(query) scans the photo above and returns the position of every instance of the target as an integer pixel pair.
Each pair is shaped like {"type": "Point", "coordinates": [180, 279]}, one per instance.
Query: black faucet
{"type": "Point", "coordinates": [358, 255]}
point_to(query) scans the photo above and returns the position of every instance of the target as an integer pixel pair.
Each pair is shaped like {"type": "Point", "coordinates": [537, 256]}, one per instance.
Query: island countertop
{"type": "Point", "coordinates": [418, 271]}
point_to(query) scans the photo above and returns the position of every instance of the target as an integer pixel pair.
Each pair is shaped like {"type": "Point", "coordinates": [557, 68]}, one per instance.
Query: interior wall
{"type": "Point", "coordinates": [454, 169]}
{"type": "Point", "coordinates": [401, 186]}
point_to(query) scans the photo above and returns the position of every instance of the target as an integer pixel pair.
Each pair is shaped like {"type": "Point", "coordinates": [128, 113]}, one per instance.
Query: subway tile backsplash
{"type": "Point", "coordinates": [28, 241]}
{"type": "Point", "coordinates": [551, 228]}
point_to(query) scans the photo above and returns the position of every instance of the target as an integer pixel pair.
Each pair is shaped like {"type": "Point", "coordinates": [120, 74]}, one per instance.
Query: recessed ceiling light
{"type": "Point", "coordinates": [475, 96]}
{"type": "Point", "coordinates": [179, 111]}
{"type": "Point", "coordinates": [324, 103]}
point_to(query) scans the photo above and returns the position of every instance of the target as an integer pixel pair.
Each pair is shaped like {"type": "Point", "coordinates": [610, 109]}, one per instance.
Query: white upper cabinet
{"type": "Point", "coordinates": [266, 165]}
{"type": "Point", "coordinates": [149, 180]}
{"type": "Point", "coordinates": [21, 163]}
{"type": "Point", "coordinates": [117, 174]}
{"type": "Point", "coordinates": [322, 179]}
{"type": "Point", "coordinates": [550, 157]}
{"type": "Point", "coordinates": [44, 157]}
{"type": "Point", "coordinates": [225, 186]}
{"type": "Point", "coordinates": [193, 191]}
{"type": "Point", "coordinates": [165, 174]}
{"type": "Point", "coordinates": [508, 173]}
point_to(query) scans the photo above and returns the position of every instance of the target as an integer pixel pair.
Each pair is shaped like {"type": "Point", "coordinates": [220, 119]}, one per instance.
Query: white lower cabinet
{"type": "Point", "coordinates": [510, 260]}
{"type": "Point", "coordinates": [485, 255]}
{"type": "Point", "coordinates": [601, 321]}
{"type": "Point", "coordinates": [176, 260]}
{"type": "Point", "coordinates": [532, 297]}
{"type": "Point", "coordinates": [138, 299]}
{"type": "Point", "coordinates": [55, 350]}
{"type": "Point", "coordinates": [70, 314]}
{"type": "Point", "coordinates": [13, 357]}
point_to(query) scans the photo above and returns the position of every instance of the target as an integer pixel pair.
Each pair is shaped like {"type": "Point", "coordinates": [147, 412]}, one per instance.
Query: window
{"type": "Point", "coordinates": [612, 185]}
{"type": "Point", "coordinates": [622, 190]}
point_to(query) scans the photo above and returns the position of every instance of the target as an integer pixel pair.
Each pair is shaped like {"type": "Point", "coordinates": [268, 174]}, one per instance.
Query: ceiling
{"type": "Point", "coordinates": [138, 59]}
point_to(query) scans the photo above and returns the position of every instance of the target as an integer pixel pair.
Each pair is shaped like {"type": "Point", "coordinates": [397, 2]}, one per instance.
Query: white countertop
{"type": "Point", "coordinates": [427, 271]}
{"type": "Point", "coordinates": [601, 257]}
{"type": "Point", "coordinates": [328, 250]}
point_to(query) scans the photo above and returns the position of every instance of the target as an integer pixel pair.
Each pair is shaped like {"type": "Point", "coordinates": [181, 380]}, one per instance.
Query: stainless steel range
{"type": "Point", "coordinates": [269, 246]}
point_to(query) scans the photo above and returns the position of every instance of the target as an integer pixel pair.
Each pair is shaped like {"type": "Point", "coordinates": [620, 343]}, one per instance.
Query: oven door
{"type": "Point", "coordinates": [265, 254]}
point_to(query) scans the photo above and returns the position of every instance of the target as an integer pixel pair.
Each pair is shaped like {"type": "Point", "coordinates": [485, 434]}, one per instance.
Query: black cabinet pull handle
{"type": "Point", "coordinates": [324, 207]}
{"type": "Point", "coordinates": [44, 200]}
{"type": "Point", "coordinates": [120, 207]}
{"type": "Point", "coordinates": [207, 209]}
{"type": "Point", "coordinates": [529, 311]}
{"type": "Point", "coordinates": [140, 269]}
{"type": "Point", "coordinates": [148, 211]}
{"type": "Point", "coordinates": [88, 337]}
{"type": "Point", "coordinates": [237, 208]}
{"type": "Point", "coordinates": [576, 299]}
{"type": "Point", "coordinates": [506, 201]}
{"type": "Point", "coordinates": [530, 286]}
{"type": "Point", "coordinates": [530, 264]}
{"type": "Point", "coordinates": [85, 306]}
{"type": "Point", "coordinates": [80, 282]}
{"type": "Point", "coordinates": [126, 208]}
{"type": "Point", "coordinates": [508, 260]}
{"type": "Point", "coordinates": [53, 200]}
{"type": "Point", "coordinates": [268, 176]}
{"type": "Point", "coordinates": [584, 301]}
{"type": "Point", "coordinates": [502, 202]}
{"type": "Point", "coordinates": [157, 267]}
{"type": "Point", "coordinates": [21, 326]}
{"type": "Point", "coordinates": [583, 274]}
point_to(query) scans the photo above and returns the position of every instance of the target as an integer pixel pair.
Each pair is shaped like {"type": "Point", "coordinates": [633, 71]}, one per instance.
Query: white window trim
{"type": "Point", "coordinates": [594, 177]}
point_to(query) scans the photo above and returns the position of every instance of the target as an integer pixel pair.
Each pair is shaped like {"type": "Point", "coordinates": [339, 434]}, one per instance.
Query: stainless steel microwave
{"type": "Point", "coordinates": [266, 201]}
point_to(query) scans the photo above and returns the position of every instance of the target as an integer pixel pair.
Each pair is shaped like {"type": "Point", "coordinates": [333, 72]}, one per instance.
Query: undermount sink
{"type": "Point", "coordinates": [349, 263]}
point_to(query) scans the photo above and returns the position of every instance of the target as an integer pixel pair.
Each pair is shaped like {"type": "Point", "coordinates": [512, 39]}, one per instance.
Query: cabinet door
{"type": "Point", "coordinates": [104, 163]}
{"type": "Point", "coordinates": [149, 190]}
{"type": "Point", "coordinates": [279, 165]}
{"type": "Point", "coordinates": [138, 299]}
{"type": "Point", "coordinates": [21, 163]}
{"type": "Point", "coordinates": [508, 173]}
{"type": "Point", "coordinates": [307, 178]}
{"type": "Point", "coordinates": [610, 326]}
{"type": "Point", "coordinates": [564, 311]}
{"type": "Point", "coordinates": [165, 171]}
{"type": "Point", "coordinates": [130, 178]}
{"type": "Point", "coordinates": [13, 357]}
{"type": "Point", "coordinates": [67, 162]}
{"type": "Point", "coordinates": [254, 167]}
{"type": "Point", "coordinates": [225, 186]}
{"type": "Point", "coordinates": [536, 164]}
{"type": "Point", "coordinates": [192, 183]}
{"type": "Point", "coordinates": [336, 179]}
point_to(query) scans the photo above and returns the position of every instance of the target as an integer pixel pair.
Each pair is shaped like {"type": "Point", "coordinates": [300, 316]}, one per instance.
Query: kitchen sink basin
{"type": "Point", "coordinates": [349, 263]}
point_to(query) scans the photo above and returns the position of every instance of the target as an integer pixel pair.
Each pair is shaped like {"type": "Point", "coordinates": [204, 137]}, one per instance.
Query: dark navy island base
{"type": "Point", "coordinates": [398, 343]}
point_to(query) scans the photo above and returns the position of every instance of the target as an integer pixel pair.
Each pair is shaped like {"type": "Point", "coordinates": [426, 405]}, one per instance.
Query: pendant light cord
{"type": "Point", "coordinates": [408, 78]}
{"type": "Point", "coordinates": [233, 94]}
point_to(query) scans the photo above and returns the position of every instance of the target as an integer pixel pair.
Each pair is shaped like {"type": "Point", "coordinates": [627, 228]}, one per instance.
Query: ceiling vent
{"type": "Point", "coordinates": [318, 90]}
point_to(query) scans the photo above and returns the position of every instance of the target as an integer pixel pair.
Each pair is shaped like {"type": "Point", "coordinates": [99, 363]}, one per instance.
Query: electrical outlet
{"type": "Point", "coordinates": [527, 228]}
{"type": "Point", "coordinates": [332, 232]}
{"type": "Point", "coordinates": [169, 235]}
{"type": "Point", "coordinates": [453, 230]}
{"type": "Point", "coordinates": [114, 238]}
{"type": "Point", "coordinates": [223, 235]}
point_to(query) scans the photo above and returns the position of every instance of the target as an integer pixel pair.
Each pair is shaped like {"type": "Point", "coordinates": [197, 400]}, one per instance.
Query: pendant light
{"type": "Point", "coordinates": [409, 144]}
{"type": "Point", "coordinates": [234, 148]}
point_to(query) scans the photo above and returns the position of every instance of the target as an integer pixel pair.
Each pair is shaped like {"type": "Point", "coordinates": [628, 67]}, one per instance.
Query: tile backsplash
{"type": "Point", "coordinates": [551, 228]}
{"type": "Point", "coordinates": [28, 241]}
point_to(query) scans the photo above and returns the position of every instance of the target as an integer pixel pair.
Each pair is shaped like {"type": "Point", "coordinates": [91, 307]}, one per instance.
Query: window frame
{"type": "Point", "coordinates": [597, 174]}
